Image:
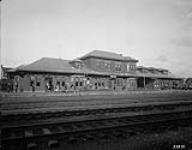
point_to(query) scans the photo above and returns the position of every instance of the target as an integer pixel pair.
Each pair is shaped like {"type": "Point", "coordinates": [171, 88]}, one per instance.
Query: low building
{"type": "Point", "coordinates": [6, 84]}
{"type": "Point", "coordinates": [97, 70]}
{"type": "Point", "coordinates": [4, 72]}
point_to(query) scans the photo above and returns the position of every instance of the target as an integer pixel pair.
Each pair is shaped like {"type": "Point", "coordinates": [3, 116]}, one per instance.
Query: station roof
{"type": "Point", "coordinates": [108, 55]}
{"type": "Point", "coordinates": [57, 65]}
{"type": "Point", "coordinates": [54, 65]}
{"type": "Point", "coordinates": [151, 69]}
{"type": "Point", "coordinates": [50, 65]}
{"type": "Point", "coordinates": [155, 75]}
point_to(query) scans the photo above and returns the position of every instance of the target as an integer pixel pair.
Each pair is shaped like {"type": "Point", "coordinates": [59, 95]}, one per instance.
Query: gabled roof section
{"type": "Point", "coordinates": [151, 69]}
{"type": "Point", "coordinates": [48, 64]}
{"type": "Point", "coordinates": [154, 72]}
{"type": "Point", "coordinates": [108, 55]}
{"type": "Point", "coordinates": [17, 68]}
{"type": "Point", "coordinates": [51, 65]}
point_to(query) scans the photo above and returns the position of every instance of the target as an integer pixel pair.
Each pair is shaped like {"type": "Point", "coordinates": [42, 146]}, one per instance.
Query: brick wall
{"type": "Point", "coordinates": [73, 82]}
{"type": "Point", "coordinates": [103, 65]}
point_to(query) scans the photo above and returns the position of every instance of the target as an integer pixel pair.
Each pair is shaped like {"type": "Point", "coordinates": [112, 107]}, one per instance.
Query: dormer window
{"type": "Point", "coordinates": [164, 71]}
{"type": "Point", "coordinates": [77, 63]}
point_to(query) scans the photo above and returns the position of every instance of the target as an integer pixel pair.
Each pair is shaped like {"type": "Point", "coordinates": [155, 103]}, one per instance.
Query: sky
{"type": "Point", "coordinates": [156, 32]}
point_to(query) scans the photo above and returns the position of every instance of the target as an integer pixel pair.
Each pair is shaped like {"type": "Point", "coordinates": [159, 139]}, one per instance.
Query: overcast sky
{"type": "Point", "coordinates": [156, 32]}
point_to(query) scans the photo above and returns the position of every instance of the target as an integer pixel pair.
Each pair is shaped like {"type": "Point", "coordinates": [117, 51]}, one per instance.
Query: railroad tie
{"type": "Point", "coordinates": [72, 140]}
{"type": "Point", "coordinates": [32, 146]}
{"type": "Point", "coordinates": [89, 137]}
{"type": "Point", "coordinates": [28, 133]}
{"type": "Point", "coordinates": [53, 143]}
{"type": "Point", "coordinates": [60, 129]}
{"type": "Point", "coordinates": [46, 131]}
{"type": "Point", "coordinates": [12, 135]}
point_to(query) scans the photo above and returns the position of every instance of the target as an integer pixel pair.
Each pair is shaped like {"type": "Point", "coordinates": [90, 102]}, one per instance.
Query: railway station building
{"type": "Point", "coordinates": [97, 70]}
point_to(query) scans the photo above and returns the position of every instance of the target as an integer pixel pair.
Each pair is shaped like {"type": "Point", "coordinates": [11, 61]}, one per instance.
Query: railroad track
{"type": "Point", "coordinates": [62, 102]}
{"type": "Point", "coordinates": [135, 95]}
{"type": "Point", "coordinates": [46, 136]}
{"type": "Point", "coordinates": [14, 117]}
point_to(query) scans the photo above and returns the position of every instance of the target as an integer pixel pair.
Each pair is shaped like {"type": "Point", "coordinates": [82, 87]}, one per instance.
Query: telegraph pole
{"type": "Point", "coordinates": [1, 71]}
{"type": "Point", "coordinates": [143, 78]}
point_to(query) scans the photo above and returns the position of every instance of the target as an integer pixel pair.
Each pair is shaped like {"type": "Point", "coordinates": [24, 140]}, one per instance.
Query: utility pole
{"type": "Point", "coordinates": [143, 78]}
{"type": "Point", "coordinates": [1, 69]}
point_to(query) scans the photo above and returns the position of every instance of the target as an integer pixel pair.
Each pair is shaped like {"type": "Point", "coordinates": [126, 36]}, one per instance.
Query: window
{"type": "Point", "coordinates": [31, 83]}
{"type": "Point", "coordinates": [119, 82]}
{"type": "Point", "coordinates": [118, 67]}
{"type": "Point", "coordinates": [102, 65]}
{"type": "Point", "coordinates": [81, 83]}
{"type": "Point", "coordinates": [127, 67]}
{"type": "Point", "coordinates": [63, 83]}
{"type": "Point", "coordinates": [76, 83]}
{"type": "Point", "coordinates": [132, 67]}
{"type": "Point", "coordinates": [38, 84]}
{"type": "Point", "coordinates": [108, 67]}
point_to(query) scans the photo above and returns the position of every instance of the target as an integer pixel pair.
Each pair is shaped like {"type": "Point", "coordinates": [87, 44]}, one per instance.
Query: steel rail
{"type": "Point", "coordinates": [86, 112]}
{"type": "Point", "coordinates": [35, 133]}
